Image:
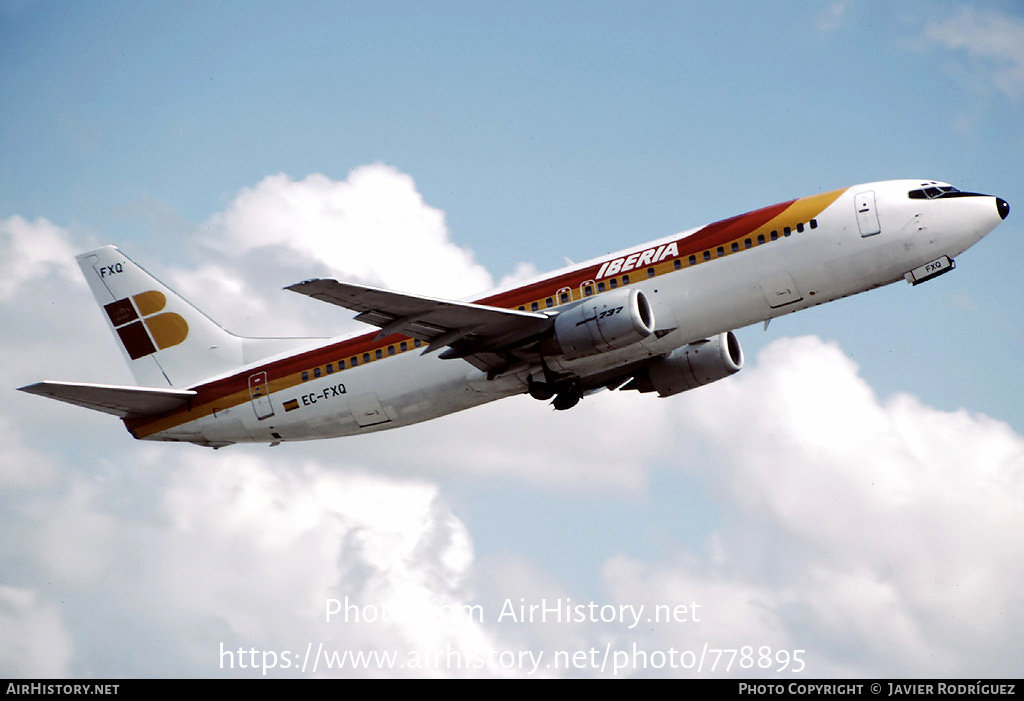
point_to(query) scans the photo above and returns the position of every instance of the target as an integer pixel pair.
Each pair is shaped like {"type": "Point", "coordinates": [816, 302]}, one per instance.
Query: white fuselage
{"type": "Point", "coordinates": [727, 287]}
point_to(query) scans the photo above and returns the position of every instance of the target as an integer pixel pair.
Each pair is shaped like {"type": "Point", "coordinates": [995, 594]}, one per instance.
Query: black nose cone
{"type": "Point", "coordinates": [1003, 206]}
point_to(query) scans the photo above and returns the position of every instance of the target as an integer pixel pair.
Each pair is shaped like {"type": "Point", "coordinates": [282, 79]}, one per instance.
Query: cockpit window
{"type": "Point", "coordinates": [933, 192]}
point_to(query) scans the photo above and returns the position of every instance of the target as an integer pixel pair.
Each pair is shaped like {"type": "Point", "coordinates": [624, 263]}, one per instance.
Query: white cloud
{"type": "Point", "coordinates": [879, 535]}
{"type": "Point", "coordinates": [35, 642]}
{"type": "Point", "coordinates": [994, 41]}
{"type": "Point", "coordinates": [77, 538]}
{"type": "Point", "coordinates": [30, 251]}
{"type": "Point", "coordinates": [606, 443]}
{"type": "Point", "coordinates": [373, 227]}
{"type": "Point", "coordinates": [260, 544]}
{"type": "Point", "coordinates": [889, 525]}
{"type": "Point", "coordinates": [522, 272]}
{"type": "Point", "coordinates": [20, 466]}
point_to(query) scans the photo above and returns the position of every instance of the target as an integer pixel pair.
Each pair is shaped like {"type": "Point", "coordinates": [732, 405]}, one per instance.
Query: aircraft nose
{"type": "Point", "coordinates": [1003, 207]}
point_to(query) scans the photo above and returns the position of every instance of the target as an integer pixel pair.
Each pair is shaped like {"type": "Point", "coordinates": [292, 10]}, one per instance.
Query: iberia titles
{"type": "Point", "coordinates": [638, 260]}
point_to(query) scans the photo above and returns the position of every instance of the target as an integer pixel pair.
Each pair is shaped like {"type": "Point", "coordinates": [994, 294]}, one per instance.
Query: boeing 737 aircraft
{"type": "Point", "coordinates": [658, 317]}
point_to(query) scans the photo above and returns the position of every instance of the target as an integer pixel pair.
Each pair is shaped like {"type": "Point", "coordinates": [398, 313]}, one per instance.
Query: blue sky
{"type": "Point", "coordinates": [223, 146]}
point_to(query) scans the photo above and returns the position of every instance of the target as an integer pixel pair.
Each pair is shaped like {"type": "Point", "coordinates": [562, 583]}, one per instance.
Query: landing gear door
{"type": "Point", "coordinates": [780, 290]}
{"type": "Point", "coordinates": [367, 411]}
{"type": "Point", "coordinates": [867, 214]}
{"type": "Point", "coordinates": [259, 394]}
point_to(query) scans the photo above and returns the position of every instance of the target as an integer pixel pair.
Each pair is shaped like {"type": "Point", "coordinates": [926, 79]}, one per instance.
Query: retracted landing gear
{"type": "Point", "coordinates": [540, 390]}
{"type": "Point", "coordinates": [566, 394]}
{"type": "Point", "coordinates": [568, 397]}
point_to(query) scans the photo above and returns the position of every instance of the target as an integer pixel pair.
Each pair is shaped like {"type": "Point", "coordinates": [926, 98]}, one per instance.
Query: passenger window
{"type": "Point", "coordinates": [305, 376]}
{"type": "Point", "coordinates": [391, 350]}
{"type": "Point", "coordinates": [366, 357]}
{"type": "Point", "coordinates": [800, 228]}
{"type": "Point", "coordinates": [587, 291]}
{"type": "Point", "coordinates": [735, 246]}
{"type": "Point", "coordinates": [625, 279]}
{"type": "Point", "coordinates": [760, 239]}
{"type": "Point", "coordinates": [614, 282]}
{"type": "Point", "coordinates": [747, 243]}
{"type": "Point", "coordinates": [534, 306]}
{"type": "Point", "coordinates": [720, 251]}
{"type": "Point", "coordinates": [354, 361]}
{"type": "Point", "coordinates": [786, 231]}
{"type": "Point", "coordinates": [775, 234]}
{"type": "Point", "coordinates": [563, 298]}
{"type": "Point", "coordinates": [316, 372]}
{"type": "Point", "coordinates": [330, 368]}
{"type": "Point", "coordinates": [550, 302]}
{"type": "Point", "coordinates": [707, 255]}
{"type": "Point", "coordinates": [650, 272]}
{"type": "Point", "coordinates": [403, 346]}
{"type": "Point", "coordinates": [378, 354]}
{"type": "Point", "coordinates": [677, 264]}
{"type": "Point", "coordinates": [693, 260]}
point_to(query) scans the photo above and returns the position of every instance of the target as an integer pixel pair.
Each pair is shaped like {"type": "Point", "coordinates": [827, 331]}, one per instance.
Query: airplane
{"type": "Point", "coordinates": [658, 317]}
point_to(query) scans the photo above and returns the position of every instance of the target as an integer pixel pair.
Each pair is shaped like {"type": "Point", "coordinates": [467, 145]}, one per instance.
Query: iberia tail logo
{"type": "Point", "coordinates": [142, 327]}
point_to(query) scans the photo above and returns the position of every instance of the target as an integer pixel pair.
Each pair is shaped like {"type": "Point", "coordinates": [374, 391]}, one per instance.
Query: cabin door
{"type": "Point", "coordinates": [867, 215]}
{"type": "Point", "coordinates": [259, 395]}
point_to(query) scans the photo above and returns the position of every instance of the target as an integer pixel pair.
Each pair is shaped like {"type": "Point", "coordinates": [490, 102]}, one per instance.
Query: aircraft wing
{"type": "Point", "coordinates": [118, 400]}
{"type": "Point", "coordinates": [482, 334]}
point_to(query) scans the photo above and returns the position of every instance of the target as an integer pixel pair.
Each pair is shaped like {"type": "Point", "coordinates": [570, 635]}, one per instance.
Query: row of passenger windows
{"type": "Point", "coordinates": [564, 296]}
{"type": "Point", "coordinates": [356, 360]}
{"type": "Point", "coordinates": [734, 247]}
{"type": "Point", "coordinates": [588, 288]}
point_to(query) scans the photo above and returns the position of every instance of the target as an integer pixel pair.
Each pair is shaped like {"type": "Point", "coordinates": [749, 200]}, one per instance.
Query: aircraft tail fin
{"type": "Point", "coordinates": [166, 341]}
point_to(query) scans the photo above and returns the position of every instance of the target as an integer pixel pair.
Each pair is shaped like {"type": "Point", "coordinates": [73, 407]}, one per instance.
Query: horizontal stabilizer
{"type": "Point", "coordinates": [113, 399]}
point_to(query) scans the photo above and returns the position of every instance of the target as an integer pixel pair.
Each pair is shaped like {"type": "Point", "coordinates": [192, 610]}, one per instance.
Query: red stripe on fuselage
{"type": "Point", "coordinates": [210, 393]}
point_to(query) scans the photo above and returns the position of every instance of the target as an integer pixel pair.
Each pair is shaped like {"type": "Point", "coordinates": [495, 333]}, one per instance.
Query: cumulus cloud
{"type": "Point", "coordinates": [877, 534]}
{"type": "Point", "coordinates": [32, 250]}
{"type": "Point", "coordinates": [885, 524]}
{"type": "Point", "coordinates": [605, 444]}
{"type": "Point", "coordinates": [262, 544]}
{"type": "Point", "coordinates": [240, 552]}
{"type": "Point", "coordinates": [373, 227]}
{"type": "Point", "coordinates": [859, 535]}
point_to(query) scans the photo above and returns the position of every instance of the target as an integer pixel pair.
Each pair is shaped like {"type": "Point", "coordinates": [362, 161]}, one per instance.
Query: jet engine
{"type": "Point", "coordinates": [608, 321]}
{"type": "Point", "coordinates": [691, 366]}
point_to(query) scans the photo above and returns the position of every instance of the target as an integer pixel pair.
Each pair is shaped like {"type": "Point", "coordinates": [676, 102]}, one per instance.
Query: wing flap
{"type": "Point", "coordinates": [119, 400]}
{"type": "Point", "coordinates": [465, 327]}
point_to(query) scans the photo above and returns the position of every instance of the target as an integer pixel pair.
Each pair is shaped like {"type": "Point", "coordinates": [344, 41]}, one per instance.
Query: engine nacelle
{"type": "Point", "coordinates": [696, 364]}
{"type": "Point", "coordinates": [611, 320]}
